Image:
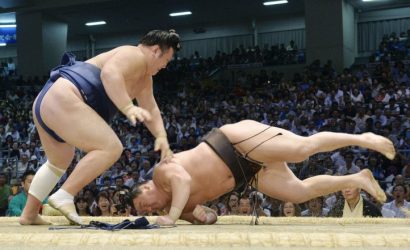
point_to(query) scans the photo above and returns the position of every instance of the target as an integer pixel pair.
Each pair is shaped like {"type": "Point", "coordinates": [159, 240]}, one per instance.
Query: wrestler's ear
{"type": "Point", "coordinates": [157, 51]}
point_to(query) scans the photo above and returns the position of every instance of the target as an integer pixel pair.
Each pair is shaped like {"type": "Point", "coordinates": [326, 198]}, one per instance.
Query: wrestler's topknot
{"type": "Point", "coordinates": [164, 39]}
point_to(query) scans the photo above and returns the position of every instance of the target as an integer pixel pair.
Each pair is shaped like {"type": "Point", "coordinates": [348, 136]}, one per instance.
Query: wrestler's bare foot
{"type": "Point", "coordinates": [380, 144]}
{"type": "Point", "coordinates": [372, 186]}
{"type": "Point", "coordinates": [37, 220]}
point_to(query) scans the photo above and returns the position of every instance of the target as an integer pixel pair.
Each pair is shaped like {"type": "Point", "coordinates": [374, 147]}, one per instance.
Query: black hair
{"type": "Point", "coordinates": [101, 194]}
{"type": "Point", "coordinates": [27, 173]}
{"type": "Point", "coordinates": [400, 185]}
{"type": "Point", "coordinates": [81, 198]}
{"type": "Point", "coordinates": [164, 39]}
{"type": "Point", "coordinates": [135, 191]}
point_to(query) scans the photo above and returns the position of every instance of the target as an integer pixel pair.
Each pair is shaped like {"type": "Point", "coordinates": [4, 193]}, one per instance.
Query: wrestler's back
{"type": "Point", "coordinates": [100, 59]}
{"type": "Point", "coordinates": [211, 178]}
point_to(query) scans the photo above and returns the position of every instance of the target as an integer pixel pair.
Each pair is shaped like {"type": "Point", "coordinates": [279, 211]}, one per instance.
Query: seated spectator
{"type": "Point", "coordinates": [5, 192]}
{"type": "Point", "coordinates": [103, 205]}
{"type": "Point", "coordinates": [89, 196]}
{"type": "Point", "coordinates": [134, 179]}
{"type": "Point", "coordinates": [271, 206]}
{"type": "Point", "coordinates": [291, 46]}
{"type": "Point", "coordinates": [34, 165]}
{"type": "Point", "coordinates": [374, 164]}
{"type": "Point", "coordinates": [233, 204]}
{"type": "Point", "coordinates": [332, 199]}
{"type": "Point", "coordinates": [312, 168]}
{"type": "Point", "coordinates": [245, 206]}
{"type": "Point", "coordinates": [354, 206]}
{"type": "Point", "coordinates": [256, 199]}
{"type": "Point", "coordinates": [356, 96]}
{"type": "Point", "coordinates": [315, 208]}
{"type": "Point", "coordinates": [18, 202]}
{"type": "Point", "coordinates": [359, 162]}
{"type": "Point", "coordinates": [399, 205]}
{"type": "Point", "coordinates": [119, 182]}
{"type": "Point", "coordinates": [348, 167]}
{"type": "Point", "coordinates": [145, 170]}
{"type": "Point", "coordinates": [14, 151]}
{"type": "Point", "coordinates": [398, 179]}
{"type": "Point", "coordinates": [22, 165]}
{"type": "Point", "coordinates": [406, 170]}
{"type": "Point", "coordinates": [24, 149]}
{"type": "Point", "coordinates": [289, 209]}
{"type": "Point", "coordinates": [81, 206]}
{"type": "Point", "coordinates": [11, 67]}
{"type": "Point", "coordinates": [386, 213]}
{"type": "Point", "coordinates": [214, 206]}
{"type": "Point", "coordinates": [106, 183]}
{"type": "Point", "coordinates": [119, 205]}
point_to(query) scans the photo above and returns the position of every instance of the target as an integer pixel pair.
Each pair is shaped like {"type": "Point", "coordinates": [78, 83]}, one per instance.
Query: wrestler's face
{"type": "Point", "coordinates": [147, 201]}
{"type": "Point", "coordinates": [160, 59]}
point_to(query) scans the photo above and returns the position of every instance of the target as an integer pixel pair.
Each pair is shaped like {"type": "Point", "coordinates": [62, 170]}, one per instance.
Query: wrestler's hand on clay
{"type": "Point", "coordinates": [161, 143]}
{"type": "Point", "coordinates": [134, 113]}
{"type": "Point", "coordinates": [165, 220]}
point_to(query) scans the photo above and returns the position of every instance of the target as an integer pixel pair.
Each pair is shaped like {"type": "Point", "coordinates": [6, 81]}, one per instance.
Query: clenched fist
{"type": "Point", "coordinates": [200, 214]}
{"type": "Point", "coordinates": [204, 215]}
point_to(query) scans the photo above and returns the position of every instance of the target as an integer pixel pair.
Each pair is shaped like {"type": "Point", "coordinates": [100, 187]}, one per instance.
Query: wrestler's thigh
{"type": "Point", "coordinates": [278, 181]}
{"type": "Point", "coordinates": [285, 147]}
{"type": "Point", "coordinates": [74, 121]}
{"type": "Point", "coordinates": [59, 154]}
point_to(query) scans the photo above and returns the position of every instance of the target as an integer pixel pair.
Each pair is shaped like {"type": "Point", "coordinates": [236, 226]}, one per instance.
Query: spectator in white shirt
{"type": "Point", "coordinates": [399, 205]}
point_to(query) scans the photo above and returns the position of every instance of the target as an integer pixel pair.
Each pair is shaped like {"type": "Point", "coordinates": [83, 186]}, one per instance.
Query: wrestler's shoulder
{"type": "Point", "coordinates": [134, 50]}
{"type": "Point", "coordinates": [168, 167]}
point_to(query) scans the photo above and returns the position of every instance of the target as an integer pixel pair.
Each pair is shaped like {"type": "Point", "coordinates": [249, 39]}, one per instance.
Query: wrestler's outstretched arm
{"type": "Point", "coordinates": [201, 215]}
{"type": "Point", "coordinates": [179, 182]}
{"type": "Point", "coordinates": [146, 100]}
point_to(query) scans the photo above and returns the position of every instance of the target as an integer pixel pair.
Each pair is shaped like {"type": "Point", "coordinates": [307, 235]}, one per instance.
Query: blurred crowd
{"type": "Point", "coordinates": [356, 100]}
{"type": "Point", "coordinates": [393, 47]}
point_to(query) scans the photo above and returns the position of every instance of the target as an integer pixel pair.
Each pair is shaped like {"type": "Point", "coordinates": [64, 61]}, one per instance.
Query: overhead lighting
{"type": "Point", "coordinates": [7, 21]}
{"type": "Point", "coordinates": [275, 2]}
{"type": "Point", "coordinates": [3, 44]}
{"type": "Point", "coordinates": [182, 13]}
{"type": "Point", "coordinates": [95, 23]}
{"type": "Point", "coordinates": [8, 25]}
{"type": "Point", "coordinates": [369, 0]}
